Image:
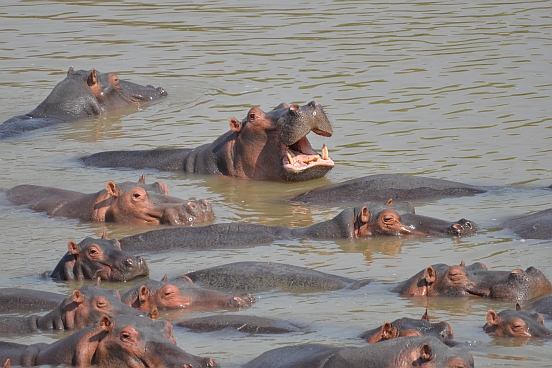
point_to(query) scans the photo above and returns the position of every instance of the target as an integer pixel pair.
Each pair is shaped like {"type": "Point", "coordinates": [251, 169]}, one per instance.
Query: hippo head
{"type": "Point", "coordinates": [130, 341]}
{"type": "Point", "coordinates": [273, 145]}
{"type": "Point", "coordinates": [137, 205]}
{"type": "Point", "coordinates": [516, 323]}
{"type": "Point", "coordinates": [86, 306]}
{"type": "Point", "coordinates": [409, 327]}
{"type": "Point", "coordinates": [99, 258]}
{"type": "Point", "coordinates": [521, 285]}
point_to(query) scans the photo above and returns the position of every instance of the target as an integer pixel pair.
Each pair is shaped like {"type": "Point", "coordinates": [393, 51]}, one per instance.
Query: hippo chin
{"type": "Point", "coordinates": [271, 145]}
{"type": "Point", "coordinates": [477, 280]}
{"type": "Point", "coordinates": [122, 341]}
{"type": "Point", "coordinates": [126, 203]}
{"type": "Point", "coordinates": [83, 93]}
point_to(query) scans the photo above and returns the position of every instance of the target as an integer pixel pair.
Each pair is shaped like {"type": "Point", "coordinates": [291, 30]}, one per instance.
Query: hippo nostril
{"type": "Point", "coordinates": [129, 262]}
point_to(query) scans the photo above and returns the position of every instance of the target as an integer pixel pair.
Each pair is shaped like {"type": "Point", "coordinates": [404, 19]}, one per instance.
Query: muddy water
{"type": "Point", "coordinates": [457, 90]}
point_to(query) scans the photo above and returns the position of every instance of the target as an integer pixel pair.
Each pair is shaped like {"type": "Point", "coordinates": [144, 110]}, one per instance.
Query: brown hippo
{"type": "Point", "coordinates": [83, 308]}
{"type": "Point", "coordinates": [402, 352]}
{"type": "Point", "coordinates": [476, 279]}
{"type": "Point", "coordinates": [122, 341]}
{"type": "Point", "coordinates": [383, 186]}
{"type": "Point", "coordinates": [181, 294]}
{"type": "Point", "coordinates": [264, 276]}
{"type": "Point", "coordinates": [98, 258]}
{"type": "Point", "coordinates": [410, 327]}
{"type": "Point", "coordinates": [516, 323]}
{"type": "Point", "coordinates": [81, 94]}
{"type": "Point", "coordinates": [534, 226]}
{"type": "Point", "coordinates": [271, 145]}
{"type": "Point", "coordinates": [125, 203]}
{"type": "Point", "coordinates": [390, 219]}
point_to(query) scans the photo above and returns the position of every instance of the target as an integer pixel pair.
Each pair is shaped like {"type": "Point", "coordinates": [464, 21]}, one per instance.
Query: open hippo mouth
{"type": "Point", "coordinates": [300, 156]}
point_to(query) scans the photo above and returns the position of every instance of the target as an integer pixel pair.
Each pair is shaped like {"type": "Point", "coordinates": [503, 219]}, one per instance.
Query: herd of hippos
{"type": "Point", "coordinates": [121, 329]}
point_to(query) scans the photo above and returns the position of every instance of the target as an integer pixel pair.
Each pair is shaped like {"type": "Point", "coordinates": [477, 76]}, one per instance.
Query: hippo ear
{"type": "Point", "coordinates": [492, 318]}
{"type": "Point", "coordinates": [165, 278]}
{"type": "Point", "coordinates": [518, 307]}
{"type": "Point", "coordinates": [540, 318]}
{"type": "Point", "coordinates": [116, 243]}
{"type": "Point", "coordinates": [104, 235]}
{"type": "Point", "coordinates": [425, 353]}
{"type": "Point", "coordinates": [389, 202]}
{"type": "Point", "coordinates": [112, 189]}
{"type": "Point", "coordinates": [143, 294]}
{"type": "Point", "coordinates": [235, 125]}
{"type": "Point", "coordinates": [425, 317]}
{"type": "Point", "coordinates": [154, 314]}
{"type": "Point", "coordinates": [388, 331]}
{"type": "Point", "coordinates": [78, 297]}
{"type": "Point", "coordinates": [73, 248]}
{"type": "Point", "coordinates": [430, 275]}
{"type": "Point", "coordinates": [92, 78]}
{"type": "Point", "coordinates": [71, 70]}
{"type": "Point", "coordinates": [142, 179]}
{"type": "Point", "coordinates": [462, 264]}
{"type": "Point", "coordinates": [106, 324]}
{"type": "Point", "coordinates": [365, 215]}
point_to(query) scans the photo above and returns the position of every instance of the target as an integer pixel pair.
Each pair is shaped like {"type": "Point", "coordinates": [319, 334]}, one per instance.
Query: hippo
{"type": "Point", "coordinates": [124, 203]}
{"type": "Point", "coordinates": [476, 279]}
{"type": "Point", "coordinates": [402, 352]}
{"type": "Point", "coordinates": [98, 258]}
{"type": "Point", "coordinates": [271, 145]}
{"type": "Point", "coordinates": [28, 300]}
{"type": "Point", "coordinates": [122, 341]}
{"type": "Point", "coordinates": [534, 226]}
{"type": "Point", "coordinates": [83, 93]}
{"type": "Point", "coordinates": [83, 308]}
{"type": "Point", "coordinates": [241, 323]}
{"type": "Point", "coordinates": [410, 327]}
{"type": "Point", "coordinates": [369, 220]}
{"type": "Point", "coordinates": [265, 276]}
{"type": "Point", "coordinates": [181, 294]}
{"type": "Point", "coordinates": [382, 186]}
{"type": "Point", "coordinates": [516, 323]}
{"type": "Point", "coordinates": [543, 306]}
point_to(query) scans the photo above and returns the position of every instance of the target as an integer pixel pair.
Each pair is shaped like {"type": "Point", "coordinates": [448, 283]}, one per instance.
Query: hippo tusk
{"type": "Point", "coordinates": [325, 155]}
{"type": "Point", "coordinates": [290, 159]}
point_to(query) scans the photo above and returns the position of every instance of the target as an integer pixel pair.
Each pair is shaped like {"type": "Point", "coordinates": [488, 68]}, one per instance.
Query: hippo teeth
{"type": "Point", "coordinates": [325, 155]}
{"type": "Point", "coordinates": [290, 159]}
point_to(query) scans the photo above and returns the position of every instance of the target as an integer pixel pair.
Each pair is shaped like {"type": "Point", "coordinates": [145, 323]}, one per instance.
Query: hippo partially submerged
{"type": "Point", "coordinates": [83, 308]}
{"type": "Point", "coordinates": [372, 219]}
{"type": "Point", "coordinates": [126, 203]}
{"type": "Point", "coordinates": [81, 94]}
{"type": "Point", "coordinates": [271, 145]}
{"type": "Point", "coordinates": [402, 352]}
{"type": "Point", "coordinates": [516, 323]}
{"type": "Point", "coordinates": [123, 341]}
{"type": "Point", "coordinates": [476, 279]}
{"type": "Point", "coordinates": [98, 258]}
{"type": "Point", "coordinates": [534, 226]}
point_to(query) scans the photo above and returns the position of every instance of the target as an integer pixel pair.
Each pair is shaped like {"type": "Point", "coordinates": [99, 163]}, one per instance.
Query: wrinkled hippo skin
{"type": "Point", "coordinates": [123, 341]}
{"type": "Point", "coordinates": [402, 352]}
{"type": "Point", "coordinates": [181, 294]}
{"type": "Point", "coordinates": [516, 323]}
{"type": "Point", "coordinates": [410, 327]}
{"type": "Point", "coordinates": [258, 147]}
{"type": "Point", "coordinates": [264, 276]}
{"type": "Point", "coordinates": [27, 300]}
{"type": "Point", "coordinates": [83, 308]}
{"type": "Point", "coordinates": [103, 258]}
{"type": "Point", "coordinates": [383, 186]}
{"type": "Point", "coordinates": [125, 203]}
{"type": "Point", "coordinates": [81, 94]}
{"type": "Point", "coordinates": [241, 323]}
{"type": "Point", "coordinates": [362, 221]}
{"type": "Point", "coordinates": [534, 226]}
{"type": "Point", "coordinates": [476, 279]}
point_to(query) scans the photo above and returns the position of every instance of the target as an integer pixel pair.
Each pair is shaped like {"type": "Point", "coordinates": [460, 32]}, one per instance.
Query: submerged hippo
{"type": "Point", "coordinates": [123, 341]}
{"type": "Point", "coordinates": [516, 323]}
{"type": "Point", "coordinates": [83, 308]}
{"type": "Point", "coordinates": [98, 258]}
{"type": "Point", "coordinates": [270, 145]}
{"type": "Point", "coordinates": [241, 323]}
{"type": "Point", "coordinates": [81, 94]}
{"type": "Point", "coordinates": [181, 294]}
{"type": "Point", "coordinates": [534, 226]}
{"type": "Point", "coordinates": [402, 352]}
{"type": "Point", "coordinates": [28, 300]}
{"type": "Point", "coordinates": [263, 276]}
{"type": "Point", "coordinates": [126, 203]}
{"type": "Point", "coordinates": [383, 186]}
{"type": "Point", "coordinates": [410, 327]}
{"type": "Point", "coordinates": [476, 279]}
{"type": "Point", "coordinates": [363, 221]}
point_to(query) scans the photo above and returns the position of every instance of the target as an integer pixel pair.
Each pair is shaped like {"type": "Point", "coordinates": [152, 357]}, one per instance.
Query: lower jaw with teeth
{"type": "Point", "coordinates": [303, 160]}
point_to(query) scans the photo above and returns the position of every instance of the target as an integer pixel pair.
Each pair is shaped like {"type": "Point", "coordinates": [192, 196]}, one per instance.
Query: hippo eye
{"type": "Point", "coordinates": [136, 195]}
{"type": "Point", "coordinates": [251, 116]}
{"type": "Point", "coordinates": [125, 336]}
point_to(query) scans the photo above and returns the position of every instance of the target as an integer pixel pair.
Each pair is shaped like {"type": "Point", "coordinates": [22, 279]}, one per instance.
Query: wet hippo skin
{"type": "Point", "coordinates": [534, 226]}
{"type": "Point", "coordinates": [81, 94]}
{"type": "Point", "coordinates": [516, 323]}
{"type": "Point", "coordinates": [125, 203]}
{"type": "Point", "coordinates": [241, 323]}
{"type": "Point", "coordinates": [27, 300]}
{"type": "Point", "coordinates": [271, 145]}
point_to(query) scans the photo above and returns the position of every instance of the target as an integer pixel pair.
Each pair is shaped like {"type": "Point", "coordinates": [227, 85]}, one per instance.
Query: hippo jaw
{"type": "Point", "coordinates": [300, 158]}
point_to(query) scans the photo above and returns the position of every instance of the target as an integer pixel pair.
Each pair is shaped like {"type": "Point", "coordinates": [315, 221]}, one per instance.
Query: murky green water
{"type": "Point", "coordinates": [457, 90]}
